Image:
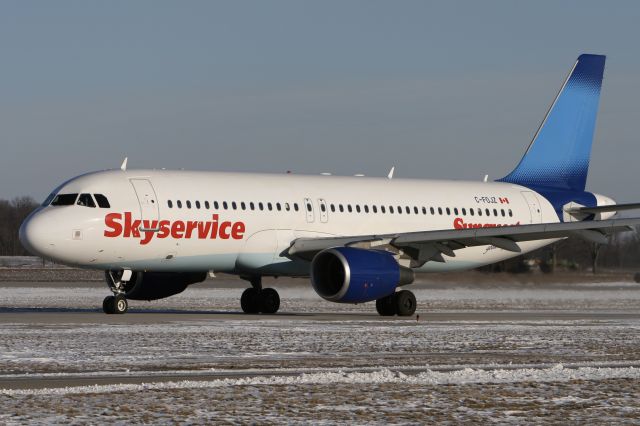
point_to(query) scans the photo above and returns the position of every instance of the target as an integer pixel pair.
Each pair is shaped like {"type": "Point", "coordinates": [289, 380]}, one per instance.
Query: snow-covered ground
{"type": "Point", "coordinates": [312, 369]}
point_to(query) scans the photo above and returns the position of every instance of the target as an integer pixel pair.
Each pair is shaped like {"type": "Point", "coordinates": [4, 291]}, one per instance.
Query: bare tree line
{"type": "Point", "coordinates": [12, 213]}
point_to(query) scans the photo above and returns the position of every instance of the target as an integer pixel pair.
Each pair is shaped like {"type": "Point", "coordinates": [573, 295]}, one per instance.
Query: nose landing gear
{"type": "Point", "coordinates": [116, 304]}
{"type": "Point", "coordinates": [258, 300]}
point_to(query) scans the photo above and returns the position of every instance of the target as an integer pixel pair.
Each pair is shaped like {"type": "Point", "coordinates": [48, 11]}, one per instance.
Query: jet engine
{"type": "Point", "coordinates": [354, 275]}
{"type": "Point", "coordinates": [156, 285]}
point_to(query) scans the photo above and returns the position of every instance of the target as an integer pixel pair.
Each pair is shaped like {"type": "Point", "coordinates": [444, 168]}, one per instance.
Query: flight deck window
{"type": "Point", "coordinates": [102, 201]}
{"type": "Point", "coordinates": [86, 200]}
{"type": "Point", "coordinates": [64, 200]}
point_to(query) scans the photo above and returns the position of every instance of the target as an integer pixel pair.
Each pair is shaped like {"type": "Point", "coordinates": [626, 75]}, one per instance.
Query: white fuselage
{"type": "Point", "coordinates": [244, 223]}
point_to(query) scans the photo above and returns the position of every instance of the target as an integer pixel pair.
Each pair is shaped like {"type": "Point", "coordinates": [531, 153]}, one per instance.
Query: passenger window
{"type": "Point", "coordinates": [225, 205]}
{"type": "Point", "coordinates": [487, 212]}
{"type": "Point", "coordinates": [188, 204]}
{"type": "Point", "coordinates": [432, 210]}
{"type": "Point", "coordinates": [309, 207]}
{"type": "Point", "coordinates": [251, 205]}
{"type": "Point", "coordinates": [375, 209]}
{"type": "Point", "coordinates": [400, 209]}
{"type": "Point", "coordinates": [286, 206]}
{"type": "Point", "coordinates": [278, 206]}
{"type": "Point", "coordinates": [382, 209]}
{"type": "Point", "coordinates": [341, 208]}
{"type": "Point", "coordinates": [216, 205]}
{"type": "Point", "coordinates": [390, 209]}
{"type": "Point", "coordinates": [234, 205]}
{"type": "Point", "coordinates": [455, 211]}
{"type": "Point", "coordinates": [440, 211]}
{"type": "Point", "coordinates": [424, 210]}
{"type": "Point", "coordinates": [295, 206]}
{"type": "Point", "coordinates": [333, 208]}
{"type": "Point", "coordinates": [366, 208]}
{"type": "Point", "coordinates": [170, 204]}
{"type": "Point", "coordinates": [349, 208]}
{"type": "Point", "coordinates": [179, 203]}
{"type": "Point", "coordinates": [471, 211]}
{"type": "Point", "coordinates": [358, 208]}
{"type": "Point", "coordinates": [261, 206]}
{"type": "Point", "coordinates": [510, 213]}
{"type": "Point", "coordinates": [197, 204]}
{"type": "Point", "coordinates": [270, 206]}
{"type": "Point", "coordinates": [502, 212]}
{"type": "Point", "coordinates": [415, 209]}
{"type": "Point", "coordinates": [495, 212]}
{"type": "Point", "coordinates": [206, 205]}
{"type": "Point", "coordinates": [323, 207]}
{"type": "Point", "coordinates": [479, 212]}
{"type": "Point", "coordinates": [464, 211]}
{"type": "Point", "coordinates": [86, 200]}
{"type": "Point", "coordinates": [64, 200]}
{"type": "Point", "coordinates": [102, 201]}
{"type": "Point", "coordinates": [243, 206]}
{"type": "Point", "coordinates": [407, 209]}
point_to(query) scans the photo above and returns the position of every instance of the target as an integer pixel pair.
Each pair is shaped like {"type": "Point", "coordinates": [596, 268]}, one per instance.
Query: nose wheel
{"type": "Point", "coordinates": [115, 304]}
{"type": "Point", "coordinates": [256, 300]}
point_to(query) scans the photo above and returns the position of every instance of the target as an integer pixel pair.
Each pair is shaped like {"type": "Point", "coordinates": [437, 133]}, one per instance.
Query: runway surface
{"type": "Point", "coordinates": [479, 352]}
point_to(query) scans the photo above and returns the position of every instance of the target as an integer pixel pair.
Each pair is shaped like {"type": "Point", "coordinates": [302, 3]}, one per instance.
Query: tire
{"type": "Point", "coordinates": [249, 302]}
{"type": "Point", "coordinates": [120, 305]}
{"type": "Point", "coordinates": [386, 306]}
{"type": "Point", "coordinates": [108, 305]}
{"type": "Point", "coordinates": [269, 301]}
{"type": "Point", "coordinates": [405, 303]}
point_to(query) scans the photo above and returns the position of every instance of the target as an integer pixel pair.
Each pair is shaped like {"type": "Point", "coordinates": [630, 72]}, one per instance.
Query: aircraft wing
{"type": "Point", "coordinates": [431, 245]}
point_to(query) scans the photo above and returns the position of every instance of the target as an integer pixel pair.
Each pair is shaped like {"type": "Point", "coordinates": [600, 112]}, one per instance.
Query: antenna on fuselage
{"type": "Point", "coordinates": [485, 179]}
{"type": "Point", "coordinates": [123, 167]}
{"type": "Point", "coordinates": [390, 175]}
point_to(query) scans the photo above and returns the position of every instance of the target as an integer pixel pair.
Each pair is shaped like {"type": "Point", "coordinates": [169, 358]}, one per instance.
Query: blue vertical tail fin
{"type": "Point", "coordinates": [558, 156]}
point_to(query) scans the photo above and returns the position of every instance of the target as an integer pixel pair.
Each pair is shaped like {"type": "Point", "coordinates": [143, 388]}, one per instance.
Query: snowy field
{"type": "Point", "coordinates": [334, 364]}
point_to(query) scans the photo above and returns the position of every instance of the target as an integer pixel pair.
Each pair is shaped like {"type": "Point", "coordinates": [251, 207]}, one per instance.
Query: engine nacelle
{"type": "Point", "coordinates": [354, 275]}
{"type": "Point", "coordinates": [158, 285]}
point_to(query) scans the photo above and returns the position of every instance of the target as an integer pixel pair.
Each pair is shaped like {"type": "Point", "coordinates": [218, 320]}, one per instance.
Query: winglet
{"type": "Point", "coordinates": [390, 175]}
{"type": "Point", "coordinates": [123, 167]}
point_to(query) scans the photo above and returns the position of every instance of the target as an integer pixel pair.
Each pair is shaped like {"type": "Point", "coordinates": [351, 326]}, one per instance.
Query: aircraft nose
{"type": "Point", "coordinates": [35, 235]}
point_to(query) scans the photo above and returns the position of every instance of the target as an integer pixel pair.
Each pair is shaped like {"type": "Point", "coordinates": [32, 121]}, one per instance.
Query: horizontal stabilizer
{"type": "Point", "coordinates": [603, 209]}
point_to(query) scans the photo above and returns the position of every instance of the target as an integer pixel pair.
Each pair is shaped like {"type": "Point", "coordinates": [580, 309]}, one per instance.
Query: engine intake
{"type": "Point", "coordinates": [354, 275]}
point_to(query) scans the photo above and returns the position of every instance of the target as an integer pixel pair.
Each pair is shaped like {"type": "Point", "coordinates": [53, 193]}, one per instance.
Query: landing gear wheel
{"type": "Point", "coordinates": [405, 303]}
{"type": "Point", "coordinates": [108, 305]}
{"type": "Point", "coordinates": [386, 306]}
{"type": "Point", "coordinates": [250, 301]}
{"type": "Point", "coordinates": [120, 305]}
{"type": "Point", "coordinates": [269, 301]}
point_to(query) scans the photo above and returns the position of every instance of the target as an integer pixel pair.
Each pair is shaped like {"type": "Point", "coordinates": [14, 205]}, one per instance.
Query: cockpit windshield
{"type": "Point", "coordinates": [64, 200]}
{"type": "Point", "coordinates": [86, 200]}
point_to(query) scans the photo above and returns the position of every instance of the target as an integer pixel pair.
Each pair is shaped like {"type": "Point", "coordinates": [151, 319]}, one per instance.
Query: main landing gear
{"type": "Point", "coordinates": [402, 303]}
{"type": "Point", "coordinates": [258, 300]}
{"type": "Point", "coordinates": [116, 304]}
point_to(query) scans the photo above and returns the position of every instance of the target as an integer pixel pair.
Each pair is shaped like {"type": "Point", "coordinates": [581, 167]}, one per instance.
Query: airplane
{"type": "Point", "coordinates": [359, 239]}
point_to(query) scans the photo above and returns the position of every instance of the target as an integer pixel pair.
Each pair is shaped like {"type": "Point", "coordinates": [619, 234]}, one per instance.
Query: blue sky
{"type": "Point", "coordinates": [438, 89]}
